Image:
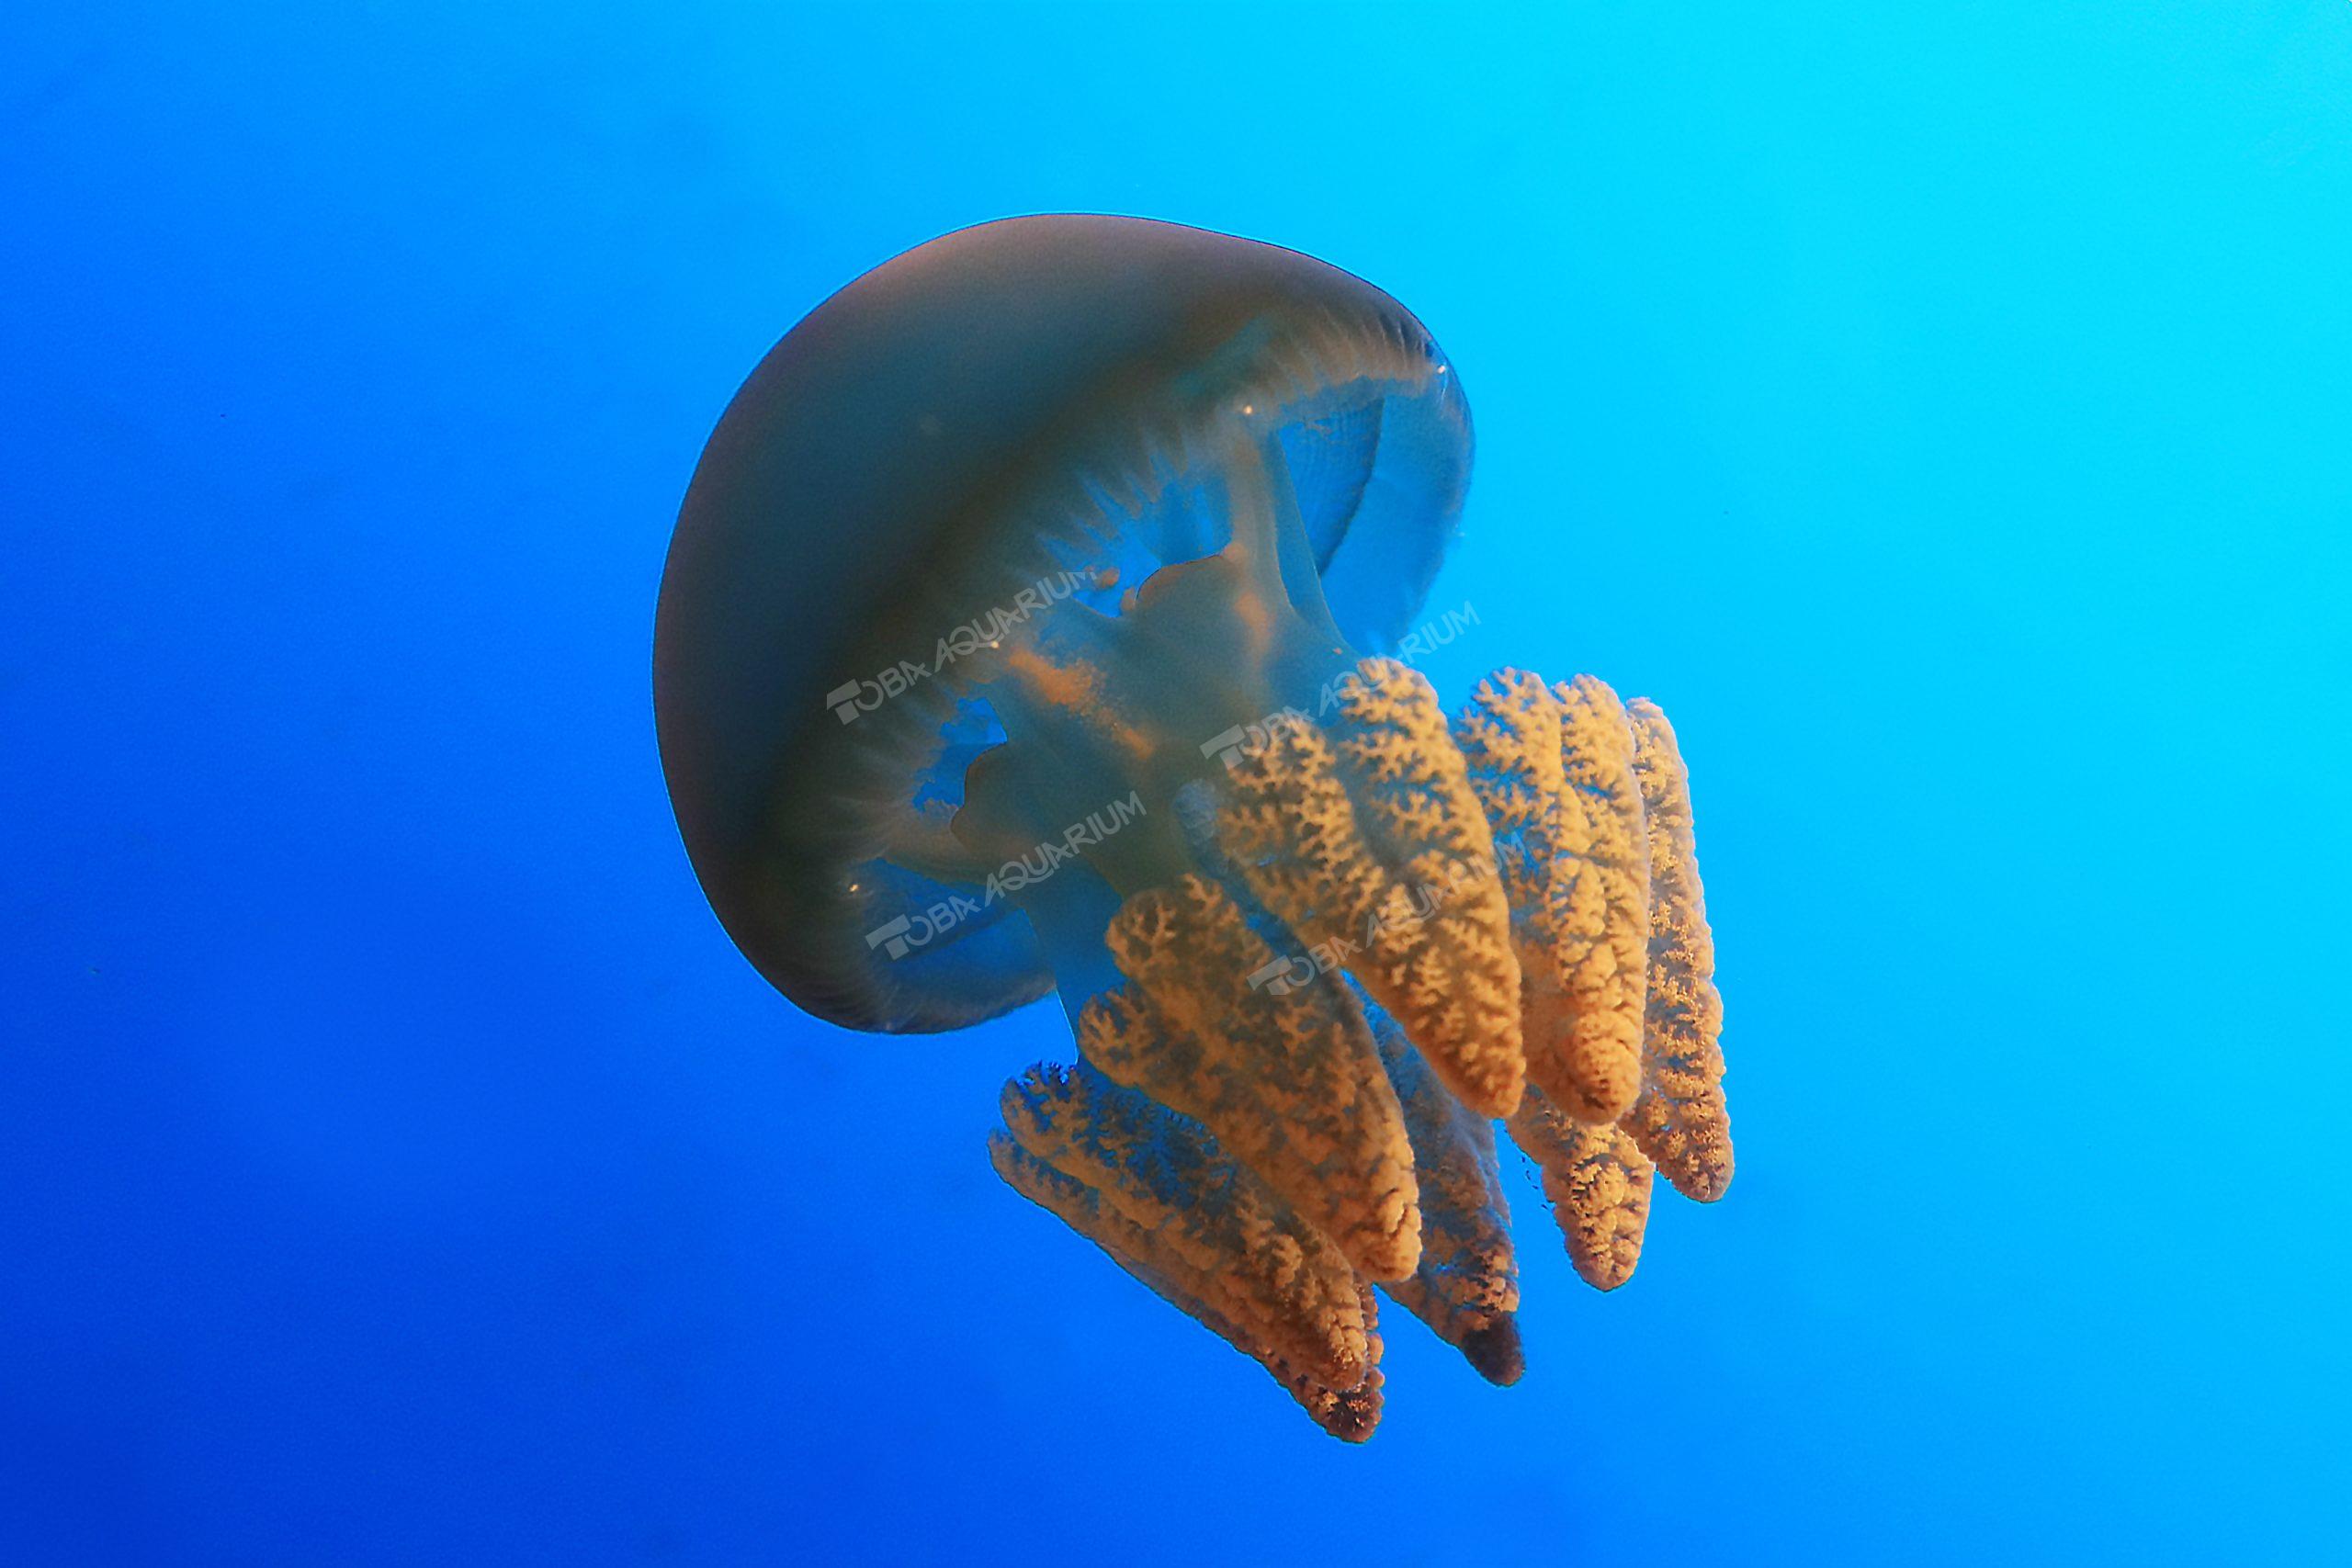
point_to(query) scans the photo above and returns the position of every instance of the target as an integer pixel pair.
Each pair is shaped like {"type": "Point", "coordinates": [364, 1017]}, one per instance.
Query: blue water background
{"type": "Point", "coordinates": [1944, 409]}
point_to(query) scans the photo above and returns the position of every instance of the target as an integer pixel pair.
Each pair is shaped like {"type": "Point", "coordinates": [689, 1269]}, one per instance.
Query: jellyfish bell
{"type": "Point", "coordinates": [1026, 626]}
{"type": "Point", "coordinates": [924, 479]}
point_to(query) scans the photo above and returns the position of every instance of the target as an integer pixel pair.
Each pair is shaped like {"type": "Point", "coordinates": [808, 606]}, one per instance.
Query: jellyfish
{"type": "Point", "coordinates": [1041, 618]}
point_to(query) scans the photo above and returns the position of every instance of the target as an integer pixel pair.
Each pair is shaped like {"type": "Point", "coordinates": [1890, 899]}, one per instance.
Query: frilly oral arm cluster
{"type": "Point", "coordinates": [1151, 1188]}
{"type": "Point", "coordinates": [1467, 1288]}
{"type": "Point", "coordinates": [1289, 1082]}
{"type": "Point", "coordinates": [1517, 895]}
{"type": "Point", "coordinates": [1368, 839]}
{"type": "Point", "coordinates": [1554, 767]}
{"type": "Point", "coordinates": [1598, 1182]}
{"type": "Point", "coordinates": [1679, 1119]}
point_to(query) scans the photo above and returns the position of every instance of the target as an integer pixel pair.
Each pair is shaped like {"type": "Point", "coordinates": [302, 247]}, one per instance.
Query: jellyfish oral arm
{"type": "Point", "coordinates": [1345, 932]}
{"type": "Point", "coordinates": [1354, 1094]}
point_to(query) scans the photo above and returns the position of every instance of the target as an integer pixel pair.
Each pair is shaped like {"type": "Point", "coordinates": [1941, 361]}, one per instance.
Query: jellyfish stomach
{"type": "Point", "coordinates": [1200, 656]}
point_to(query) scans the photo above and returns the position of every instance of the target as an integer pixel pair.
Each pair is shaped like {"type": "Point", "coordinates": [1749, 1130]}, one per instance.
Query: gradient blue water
{"type": "Point", "coordinates": [1943, 409]}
